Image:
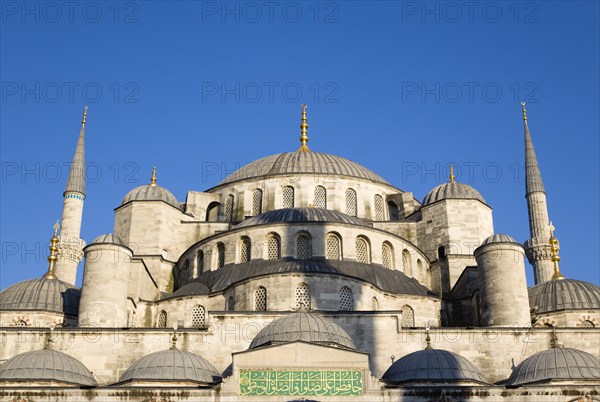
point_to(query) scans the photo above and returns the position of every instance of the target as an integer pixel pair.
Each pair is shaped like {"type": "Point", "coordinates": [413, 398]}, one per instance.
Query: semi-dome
{"type": "Point", "coordinates": [108, 238]}
{"type": "Point", "coordinates": [46, 365]}
{"type": "Point", "coordinates": [452, 190]}
{"type": "Point", "coordinates": [291, 163]}
{"type": "Point", "coordinates": [151, 192]}
{"type": "Point", "coordinates": [301, 215]}
{"type": "Point", "coordinates": [432, 365]}
{"type": "Point", "coordinates": [42, 294]}
{"type": "Point", "coordinates": [303, 326]}
{"type": "Point", "coordinates": [172, 365]}
{"type": "Point", "coordinates": [563, 294]}
{"type": "Point", "coordinates": [556, 364]}
{"type": "Point", "coordinates": [498, 238]}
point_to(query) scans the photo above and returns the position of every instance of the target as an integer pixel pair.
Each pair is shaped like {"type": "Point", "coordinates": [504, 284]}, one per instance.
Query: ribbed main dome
{"type": "Point", "coordinates": [317, 163]}
{"type": "Point", "coordinates": [151, 193]}
{"type": "Point", "coordinates": [172, 365]}
{"type": "Point", "coordinates": [302, 326]}
{"type": "Point", "coordinates": [301, 215]}
{"type": "Point", "coordinates": [564, 294]}
{"type": "Point", "coordinates": [46, 365]}
{"type": "Point", "coordinates": [452, 190]}
{"type": "Point", "coordinates": [42, 294]}
{"type": "Point", "coordinates": [556, 364]}
{"type": "Point", "coordinates": [432, 365]}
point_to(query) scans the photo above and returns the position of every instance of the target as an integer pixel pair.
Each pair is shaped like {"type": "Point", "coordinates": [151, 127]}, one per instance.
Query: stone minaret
{"type": "Point", "coordinates": [70, 246]}
{"type": "Point", "coordinates": [537, 247]}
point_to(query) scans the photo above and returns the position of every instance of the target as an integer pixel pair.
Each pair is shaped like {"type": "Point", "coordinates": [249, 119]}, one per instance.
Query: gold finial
{"type": "Point", "coordinates": [53, 257]}
{"type": "Point", "coordinates": [427, 339]}
{"type": "Point", "coordinates": [524, 110]}
{"type": "Point", "coordinates": [452, 177]}
{"type": "Point", "coordinates": [153, 178]}
{"type": "Point", "coordinates": [84, 118]}
{"type": "Point", "coordinates": [303, 131]}
{"type": "Point", "coordinates": [554, 248]}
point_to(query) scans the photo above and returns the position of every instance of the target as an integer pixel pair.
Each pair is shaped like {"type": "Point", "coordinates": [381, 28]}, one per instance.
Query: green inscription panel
{"type": "Point", "coordinates": [301, 383]}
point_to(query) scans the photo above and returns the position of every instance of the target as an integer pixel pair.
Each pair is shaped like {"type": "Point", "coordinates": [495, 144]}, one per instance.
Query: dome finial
{"type": "Point", "coordinates": [427, 339]}
{"type": "Point", "coordinates": [153, 178]}
{"type": "Point", "coordinates": [554, 252]}
{"type": "Point", "coordinates": [174, 338]}
{"type": "Point", "coordinates": [53, 257]}
{"type": "Point", "coordinates": [303, 131]}
{"type": "Point", "coordinates": [84, 118]}
{"type": "Point", "coordinates": [452, 177]}
{"type": "Point", "coordinates": [524, 110]}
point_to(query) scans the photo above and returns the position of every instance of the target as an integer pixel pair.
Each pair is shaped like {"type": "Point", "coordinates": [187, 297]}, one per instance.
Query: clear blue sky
{"type": "Point", "coordinates": [403, 88]}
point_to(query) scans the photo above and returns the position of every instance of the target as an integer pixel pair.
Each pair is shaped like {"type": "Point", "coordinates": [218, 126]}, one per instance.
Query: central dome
{"type": "Point", "coordinates": [289, 163]}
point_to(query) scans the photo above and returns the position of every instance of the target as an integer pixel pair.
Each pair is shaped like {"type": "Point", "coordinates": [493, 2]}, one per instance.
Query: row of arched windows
{"type": "Point", "coordinates": [198, 317]}
{"type": "Point", "coordinates": [333, 251]}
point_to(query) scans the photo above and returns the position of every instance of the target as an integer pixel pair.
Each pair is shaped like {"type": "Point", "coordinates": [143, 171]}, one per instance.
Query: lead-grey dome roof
{"type": "Point", "coordinates": [151, 192]}
{"type": "Point", "coordinates": [556, 364]}
{"type": "Point", "coordinates": [303, 326]}
{"type": "Point", "coordinates": [46, 365]}
{"type": "Point", "coordinates": [432, 365]}
{"type": "Point", "coordinates": [108, 238]}
{"type": "Point", "coordinates": [172, 365]}
{"type": "Point", "coordinates": [42, 294]}
{"type": "Point", "coordinates": [301, 215]}
{"type": "Point", "coordinates": [290, 163]}
{"type": "Point", "coordinates": [564, 294]}
{"type": "Point", "coordinates": [498, 238]}
{"type": "Point", "coordinates": [452, 190]}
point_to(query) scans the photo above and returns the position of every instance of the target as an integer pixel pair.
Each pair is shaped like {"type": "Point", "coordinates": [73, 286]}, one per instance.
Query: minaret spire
{"type": "Point", "coordinates": [303, 132]}
{"type": "Point", "coordinates": [537, 248]}
{"type": "Point", "coordinates": [70, 245]}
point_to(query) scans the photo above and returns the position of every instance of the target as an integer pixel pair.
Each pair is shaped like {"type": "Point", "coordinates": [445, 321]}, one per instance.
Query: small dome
{"type": "Point", "coordinates": [42, 294]}
{"type": "Point", "coordinates": [301, 215]}
{"type": "Point", "coordinates": [498, 238]}
{"type": "Point", "coordinates": [564, 294]}
{"type": "Point", "coordinates": [432, 365]}
{"type": "Point", "coordinates": [302, 326]}
{"type": "Point", "coordinates": [46, 365]}
{"type": "Point", "coordinates": [172, 365]}
{"type": "Point", "coordinates": [452, 190]}
{"type": "Point", "coordinates": [293, 163]}
{"type": "Point", "coordinates": [556, 364]}
{"type": "Point", "coordinates": [108, 238]}
{"type": "Point", "coordinates": [151, 192]}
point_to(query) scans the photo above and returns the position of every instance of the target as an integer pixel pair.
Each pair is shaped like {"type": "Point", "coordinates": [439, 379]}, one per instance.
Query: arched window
{"type": "Point", "coordinates": [303, 296]}
{"type": "Point", "coordinates": [393, 211]}
{"type": "Point", "coordinates": [408, 317]}
{"type": "Point", "coordinates": [229, 208]}
{"type": "Point", "coordinates": [288, 197]}
{"type": "Point", "coordinates": [200, 262]}
{"type": "Point", "coordinates": [351, 202]}
{"type": "Point", "coordinates": [212, 212]}
{"type": "Point", "coordinates": [387, 256]}
{"type": "Point", "coordinates": [245, 250]}
{"type": "Point", "coordinates": [198, 316]}
{"type": "Point", "coordinates": [220, 255]}
{"type": "Point", "coordinates": [320, 197]}
{"type": "Point", "coordinates": [346, 300]}
{"type": "Point", "coordinates": [161, 320]}
{"type": "Point", "coordinates": [20, 323]}
{"type": "Point", "coordinates": [260, 299]}
{"type": "Point", "coordinates": [185, 274]}
{"type": "Point", "coordinates": [303, 247]}
{"type": "Point", "coordinates": [378, 202]}
{"type": "Point", "coordinates": [419, 267]}
{"type": "Point", "coordinates": [230, 304]}
{"type": "Point", "coordinates": [406, 262]}
{"type": "Point", "coordinates": [374, 304]}
{"type": "Point", "coordinates": [587, 324]}
{"type": "Point", "coordinates": [257, 197]}
{"type": "Point", "coordinates": [333, 247]}
{"type": "Point", "coordinates": [362, 251]}
{"type": "Point", "coordinates": [273, 247]}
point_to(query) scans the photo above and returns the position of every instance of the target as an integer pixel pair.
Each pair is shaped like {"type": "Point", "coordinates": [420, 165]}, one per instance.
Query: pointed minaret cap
{"type": "Point", "coordinates": [76, 181]}
{"type": "Point", "coordinates": [533, 177]}
{"type": "Point", "coordinates": [554, 248]}
{"type": "Point", "coordinates": [303, 132]}
{"type": "Point", "coordinates": [53, 257]}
